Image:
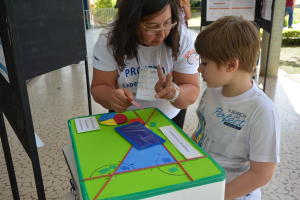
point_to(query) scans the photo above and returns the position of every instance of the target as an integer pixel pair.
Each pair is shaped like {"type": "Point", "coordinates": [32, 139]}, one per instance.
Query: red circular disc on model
{"type": "Point", "coordinates": [120, 118]}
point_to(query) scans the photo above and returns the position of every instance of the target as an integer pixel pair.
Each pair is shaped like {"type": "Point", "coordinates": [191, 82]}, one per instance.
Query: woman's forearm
{"type": "Point", "coordinates": [189, 89]}
{"type": "Point", "coordinates": [102, 95]}
{"type": "Point", "coordinates": [103, 85]}
{"type": "Point", "coordinates": [188, 94]}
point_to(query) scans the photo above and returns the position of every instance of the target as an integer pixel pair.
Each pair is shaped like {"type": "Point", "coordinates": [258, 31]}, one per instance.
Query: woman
{"type": "Point", "coordinates": [146, 33]}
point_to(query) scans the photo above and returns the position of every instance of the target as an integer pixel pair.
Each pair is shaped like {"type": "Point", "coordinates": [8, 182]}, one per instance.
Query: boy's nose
{"type": "Point", "coordinates": [200, 69]}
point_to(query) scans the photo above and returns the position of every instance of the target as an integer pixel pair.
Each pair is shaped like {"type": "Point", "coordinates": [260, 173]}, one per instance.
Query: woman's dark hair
{"type": "Point", "coordinates": [122, 38]}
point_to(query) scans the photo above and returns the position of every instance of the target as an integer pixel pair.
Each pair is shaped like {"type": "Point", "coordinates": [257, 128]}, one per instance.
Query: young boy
{"type": "Point", "coordinates": [239, 125]}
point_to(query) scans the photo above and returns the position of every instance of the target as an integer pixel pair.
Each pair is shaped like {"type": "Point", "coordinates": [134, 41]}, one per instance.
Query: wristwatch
{"type": "Point", "coordinates": [176, 94]}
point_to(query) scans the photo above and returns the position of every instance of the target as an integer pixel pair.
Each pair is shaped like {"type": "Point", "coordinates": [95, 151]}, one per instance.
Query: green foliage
{"type": "Point", "coordinates": [296, 22]}
{"type": "Point", "coordinates": [193, 11]}
{"type": "Point", "coordinates": [103, 16]}
{"type": "Point", "coordinates": [290, 33]}
{"type": "Point", "coordinates": [285, 22]}
{"type": "Point", "coordinates": [290, 37]}
{"type": "Point", "coordinates": [104, 11]}
{"type": "Point", "coordinates": [103, 4]}
{"type": "Point", "coordinates": [261, 32]}
{"type": "Point", "coordinates": [195, 4]}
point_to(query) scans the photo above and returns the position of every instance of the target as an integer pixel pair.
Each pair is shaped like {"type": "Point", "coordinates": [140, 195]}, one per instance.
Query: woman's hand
{"type": "Point", "coordinates": [164, 87]}
{"type": "Point", "coordinates": [118, 100]}
{"type": "Point", "coordinates": [188, 85]}
{"type": "Point", "coordinates": [105, 92]}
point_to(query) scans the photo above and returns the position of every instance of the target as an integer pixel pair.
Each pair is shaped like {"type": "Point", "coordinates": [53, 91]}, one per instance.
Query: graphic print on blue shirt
{"type": "Point", "coordinates": [133, 71]}
{"type": "Point", "coordinates": [200, 131]}
{"type": "Point", "coordinates": [233, 119]}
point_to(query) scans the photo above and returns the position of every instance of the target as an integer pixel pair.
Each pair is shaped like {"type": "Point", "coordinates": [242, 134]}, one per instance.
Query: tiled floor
{"type": "Point", "coordinates": [60, 95]}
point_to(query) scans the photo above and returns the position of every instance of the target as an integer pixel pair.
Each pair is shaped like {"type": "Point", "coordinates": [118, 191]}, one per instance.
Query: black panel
{"type": "Point", "coordinates": [203, 14]}
{"type": "Point", "coordinates": [265, 24]}
{"type": "Point", "coordinates": [14, 101]}
{"type": "Point", "coordinates": [51, 34]}
{"type": "Point", "coordinates": [37, 37]}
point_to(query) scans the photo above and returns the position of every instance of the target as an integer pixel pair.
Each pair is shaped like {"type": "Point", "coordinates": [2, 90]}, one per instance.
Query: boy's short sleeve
{"type": "Point", "coordinates": [188, 60]}
{"type": "Point", "coordinates": [102, 57]}
{"type": "Point", "coordinates": [264, 141]}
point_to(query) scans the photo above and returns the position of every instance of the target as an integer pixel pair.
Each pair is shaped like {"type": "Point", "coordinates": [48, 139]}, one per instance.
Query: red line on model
{"type": "Point", "coordinates": [102, 188]}
{"type": "Point", "coordinates": [179, 163]}
{"type": "Point", "coordinates": [138, 115]}
{"type": "Point", "coordinates": [150, 116]}
{"type": "Point", "coordinates": [112, 174]}
{"type": "Point", "coordinates": [86, 179]}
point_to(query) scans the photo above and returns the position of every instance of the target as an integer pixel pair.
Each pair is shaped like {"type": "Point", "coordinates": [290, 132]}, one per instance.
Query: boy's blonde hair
{"type": "Point", "coordinates": [230, 37]}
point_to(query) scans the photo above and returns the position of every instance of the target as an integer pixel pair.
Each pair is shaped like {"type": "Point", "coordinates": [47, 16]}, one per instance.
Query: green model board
{"type": "Point", "coordinates": [101, 152]}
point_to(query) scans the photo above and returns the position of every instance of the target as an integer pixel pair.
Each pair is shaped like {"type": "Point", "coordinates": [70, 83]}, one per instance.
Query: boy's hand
{"type": "Point", "coordinates": [164, 87]}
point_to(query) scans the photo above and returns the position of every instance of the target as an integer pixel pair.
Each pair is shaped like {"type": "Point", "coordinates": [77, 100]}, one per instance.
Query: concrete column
{"type": "Point", "coordinates": [275, 46]}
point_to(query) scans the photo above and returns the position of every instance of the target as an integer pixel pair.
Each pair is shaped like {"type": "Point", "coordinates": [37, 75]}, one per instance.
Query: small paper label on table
{"type": "Point", "coordinates": [86, 124]}
{"type": "Point", "coordinates": [180, 143]}
{"type": "Point", "coordinates": [147, 81]}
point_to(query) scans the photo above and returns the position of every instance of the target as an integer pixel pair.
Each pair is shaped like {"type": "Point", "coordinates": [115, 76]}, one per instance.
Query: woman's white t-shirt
{"type": "Point", "coordinates": [186, 63]}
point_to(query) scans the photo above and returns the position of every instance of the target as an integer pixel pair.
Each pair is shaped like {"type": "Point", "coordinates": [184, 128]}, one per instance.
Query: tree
{"type": "Point", "coordinates": [103, 12]}
{"type": "Point", "coordinates": [103, 4]}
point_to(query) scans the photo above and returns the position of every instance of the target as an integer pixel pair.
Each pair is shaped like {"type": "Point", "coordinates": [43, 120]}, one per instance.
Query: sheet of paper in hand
{"type": "Point", "coordinates": [147, 81]}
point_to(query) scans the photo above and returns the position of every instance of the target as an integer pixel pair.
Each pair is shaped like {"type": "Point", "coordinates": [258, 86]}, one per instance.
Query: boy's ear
{"type": "Point", "coordinates": [232, 65]}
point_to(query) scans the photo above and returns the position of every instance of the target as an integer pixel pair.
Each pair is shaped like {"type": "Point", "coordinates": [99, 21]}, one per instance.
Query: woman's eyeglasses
{"type": "Point", "coordinates": [156, 31]}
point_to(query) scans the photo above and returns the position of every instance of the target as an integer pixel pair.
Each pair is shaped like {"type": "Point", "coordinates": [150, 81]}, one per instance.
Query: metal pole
{"type": "Point", "coordinates": [265, 79]}
{"type": "Point", "coordinates": [268, 54]}
{"type": "Point", "coordinates": [8, 159]}
{"type": "Point", "coordinates": [88, 85]}
{"type": "Point", "coordinates": [36, 164]}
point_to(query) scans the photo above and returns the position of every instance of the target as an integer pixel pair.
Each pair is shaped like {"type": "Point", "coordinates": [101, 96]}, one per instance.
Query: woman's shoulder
{"type": "Point", "coordinates": [185, 35]}
{"type": "Point", "coordinates": [103, 37]}
{"type": "Point", "coordinates": [106, 30]}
